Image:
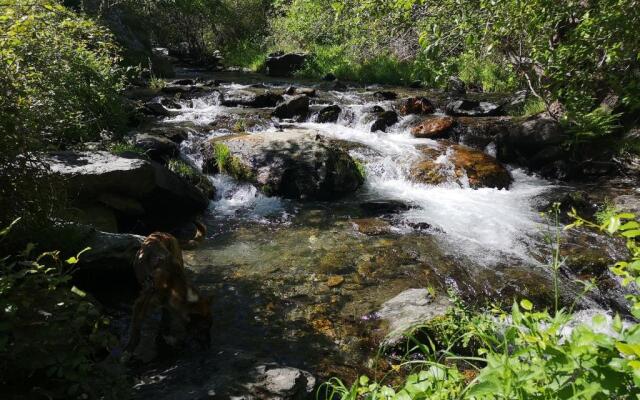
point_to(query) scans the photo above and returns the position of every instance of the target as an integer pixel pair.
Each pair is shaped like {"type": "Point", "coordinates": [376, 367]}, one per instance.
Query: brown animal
{"type": "Point", "coordinates": [159, 269]}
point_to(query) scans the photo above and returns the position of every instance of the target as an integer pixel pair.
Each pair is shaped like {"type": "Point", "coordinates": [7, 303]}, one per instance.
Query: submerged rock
{"type": "Point", "coordinates": [432, 128]}
{"type": "Point", "coordinates": [416, 105]}
{"type": "Point", "coordinates": [473, 108]}
{"type": "Point", "coordinates": [371, 226]}
{"type": "Point", "coordinates": [297, 106]}
{"type": "Point", "coordinates": [408, 309]}
{"type": "Point", "coordinates": [156, 108]}
{"type": "Point", "coordinates": [284, 64]}
{"type": "Point", "coordinates": [456, 163]}
{"type": "Point", "coordinates": [295, 164]}
{"type": "Point", "coordinates": [383, 207]}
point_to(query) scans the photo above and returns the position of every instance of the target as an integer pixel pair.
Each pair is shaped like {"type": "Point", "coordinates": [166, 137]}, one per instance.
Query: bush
{"type": "Point", "coordinates": [54, 342]}
{"type": "Point", "coordinates": [59, 85]}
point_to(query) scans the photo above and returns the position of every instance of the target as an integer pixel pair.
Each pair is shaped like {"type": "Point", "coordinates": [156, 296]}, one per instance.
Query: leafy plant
{"type": "Point", "coordinates": [54, 342]}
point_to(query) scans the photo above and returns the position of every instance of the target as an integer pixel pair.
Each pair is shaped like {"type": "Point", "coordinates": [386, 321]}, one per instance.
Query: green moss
{"type": "Point", "coordinates": [238, 170]}
{"type": "Point", "coordinates": [362, 172]}
{"type": "Point", "coordinates": [192, 175]}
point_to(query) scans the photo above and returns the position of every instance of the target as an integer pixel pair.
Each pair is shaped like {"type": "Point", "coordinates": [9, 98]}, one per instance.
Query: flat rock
{"type": "Point", "coordinates": [91, 175]}
{"type": "Point", "coordinates": [408, 309]}
{"type": "Point", "coordinates": [416, 105]}
{"type": "Point", "coordinates": [296, 106]}
{"type": "Point", "coordinates": [473, 108]}
{"type": "Point", "coordinates": [281, 383]}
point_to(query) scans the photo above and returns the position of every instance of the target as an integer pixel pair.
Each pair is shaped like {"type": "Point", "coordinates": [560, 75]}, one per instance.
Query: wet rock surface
{"type": "Point", "coordinates": [462, 164]}
{"type": "Point", "coordinates": [433, 128]}
{"type": "Point", "coordinates": [473, 108]}
{"type": "Point", "coordinates": [293, 164]}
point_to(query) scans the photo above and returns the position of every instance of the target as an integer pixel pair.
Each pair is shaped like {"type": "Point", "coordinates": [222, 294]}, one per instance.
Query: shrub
{"type": "Point", "coordinates": [54, 342]}
{"type": "Point", "coordinates": [59, 85]}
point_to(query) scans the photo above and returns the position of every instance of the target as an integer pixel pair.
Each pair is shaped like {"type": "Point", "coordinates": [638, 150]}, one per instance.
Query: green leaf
{"type": "Point", "coordinates": [78, 292]}
{"type": "Point", "coordinates": [526, 305]}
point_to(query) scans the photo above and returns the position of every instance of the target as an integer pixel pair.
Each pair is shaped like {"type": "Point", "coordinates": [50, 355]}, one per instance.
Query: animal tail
{"type": "Point", "coordinates": [201, 233]}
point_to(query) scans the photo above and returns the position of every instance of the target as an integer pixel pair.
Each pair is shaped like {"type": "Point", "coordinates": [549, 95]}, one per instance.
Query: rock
{"type": "Point", "coordinates": [158, 148]}
{"type": "Point", "coordinates": [267, 99]}
{"type": "Point", "coordinates": [460, 164]}
{"type": "Point", "coordinates": [473, 108]}
{"type": "Point", "coordinates": [335, 280]}
{"type": "Point", "coordinates": [89, 176]}
{"type": "Point", "coordinates": [385, 95]}
{"type": "Point", "coordinates": [175, 89]}
{"type": "Point", "coordinates": [456, 86]}
{"type": "Point", "coordinates": [285, 64]}
{"type": "Point", "coordinates": [292, 90]}
{"type": "Point", "coordinates": [371, 226]}
{"type": "Point", "coordinates": [373, 109]}
{"type": "Point", "coordinates": [238, 97]}
{"type": "Point", "coordinates": [274, 382]}
{"type": "Point", "coordinates": [383, 207]}
{"type": "Point", "coordinates": [432, 128]}
{"type": "Point", "coordinates": [297, 106]}
{"type": "Point", "coordinates": [516, 102]}
{"type": "Point", "coordinates": [628, 203]}
{"type": "Point", "coordinates": [213, 83]}
{"type": "Point", "coordinates": [170, 103]}
{"type": "Point", "coordinates": [124, 205]}
{"type": "Point", "coordinates": [384, 120]}
{"type": "Point", "coordinates": [415, 85]}
{"type": "Point", "coordinates": [156, 108]}
{"type": "Point", "coordinates": [176, 134]}
{"type": "Point", "coordinates": [408, 309]}
{"type": "Point", "coordinates": [111, 254]}
{"type": "Point", "coordinates": [98, 216]}
{"type": "Point", "coordinates": [329, 77]}
{"type": "Point", "coordinates": [295, 163]}
{"type": "Point", "coordinates": [480, 132]}
{"type": "Point", "coordinates": [416, 105]}
{"type": "Point", "coordinates": [528, 139]}
{"type": "Point", "coordinates": [182, 82]}
{"type": "Point", "coordinates": [339, 87]}
{"type": "Point", "coordinates": [329, 114]}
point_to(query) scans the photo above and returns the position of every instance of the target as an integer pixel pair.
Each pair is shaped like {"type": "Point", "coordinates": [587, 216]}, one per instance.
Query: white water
{"type": "Point", "coordinates": [484, 224]}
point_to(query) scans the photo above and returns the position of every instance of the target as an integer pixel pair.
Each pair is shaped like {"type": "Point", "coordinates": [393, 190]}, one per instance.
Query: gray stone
{"type": "Point", "coordinates": [156, 109]}
{"type": "Point", "coordinates": [329, 114]}
{"type": "Point", "coordinates": [297, 106]}
{"type": "Point", "coordinates": [456, 86]}
{"type": "Point", "coordinates": [158, 190]}
{"type": "Point", "coordinates": [473, 108]}
{"type": "Point", "coordinates": [281, 383]}
{"type": "Point", "coordinates": [295, 163]}
{"type": "Point", "coordinates": [408, 309]}
{"type": "Point", "coordinates": [158, 148]}
{"type": "Point", "coordinates": [284, 64]}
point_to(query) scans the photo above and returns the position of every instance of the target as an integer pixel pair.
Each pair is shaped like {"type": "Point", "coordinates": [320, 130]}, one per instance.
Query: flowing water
{"type": "Point", "coordinates": [268, 261]}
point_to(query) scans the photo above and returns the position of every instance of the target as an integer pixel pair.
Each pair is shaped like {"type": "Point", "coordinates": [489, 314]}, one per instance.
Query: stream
{"type": "Point", "coordinates": [299, 283]}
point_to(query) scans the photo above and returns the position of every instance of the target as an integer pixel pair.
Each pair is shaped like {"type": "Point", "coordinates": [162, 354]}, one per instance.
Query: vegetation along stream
{"type": "Point", "coordinates": [367, 208]}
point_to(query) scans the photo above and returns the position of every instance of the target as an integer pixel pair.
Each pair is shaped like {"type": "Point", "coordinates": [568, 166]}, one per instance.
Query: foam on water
{"type": "Point", "coordinates": [199, 111]}
{"type": "Point", "coordinates": [485, 224]}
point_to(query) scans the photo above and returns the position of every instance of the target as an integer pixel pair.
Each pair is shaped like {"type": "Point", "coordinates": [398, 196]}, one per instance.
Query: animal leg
{"type": "Point", "coordinates": [140, 310]}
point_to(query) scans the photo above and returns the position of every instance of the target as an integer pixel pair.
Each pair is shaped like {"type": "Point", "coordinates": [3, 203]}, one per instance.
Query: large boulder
{"type": "Point", "coordinates": [460, 164]}
{"type": "Point", "coordinates": [91, 177]}
{"type": "Point", "coordinates": [433, 128]}
{"type": "Point", "coordinates": [284, 64]}
{"type": "Point", "coordinates": [480, 132]}
{"type": "Point", "coordinates": [529, 140]}
{"type": "Point", "coordinates": [296, 164]}
{"type": "Point", "coordinates": [296, 106]}
{"type": "Point", "coordinates": [456, 86]}
{"type": "Point", "coordinates": [473, 108]}
{"type": "Point", "coordinates": [246, 98]}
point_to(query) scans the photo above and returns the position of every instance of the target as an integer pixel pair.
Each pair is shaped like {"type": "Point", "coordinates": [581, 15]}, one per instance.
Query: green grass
{"type": "Point", "coordinates": [606, 211]}
{"type": "Point", "coordinates": [119, 148]}
{"type": "Point", "coordinates": [531, 106]}
{"type": "Point", "coordinates": [181, 168]}
{"type": "Point", "coordinates": [222, 156]}
{"type": "Point", "coordinates": [246, 54]}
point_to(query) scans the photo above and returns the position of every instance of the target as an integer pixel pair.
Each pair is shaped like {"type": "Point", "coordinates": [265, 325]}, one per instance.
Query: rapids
{"type": "Point", "coordinates": [267, 261]}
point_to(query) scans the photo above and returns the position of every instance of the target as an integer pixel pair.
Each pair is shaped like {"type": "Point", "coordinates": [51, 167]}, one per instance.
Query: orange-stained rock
{"type": "Point", "coordinates": [335, 280]}
{"type": "Point", "coordinates": [432, 128]}
{"type": "Point", "coordinates": [416, 105]}
{"type": "Point", "coordinates": [451, 163]}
